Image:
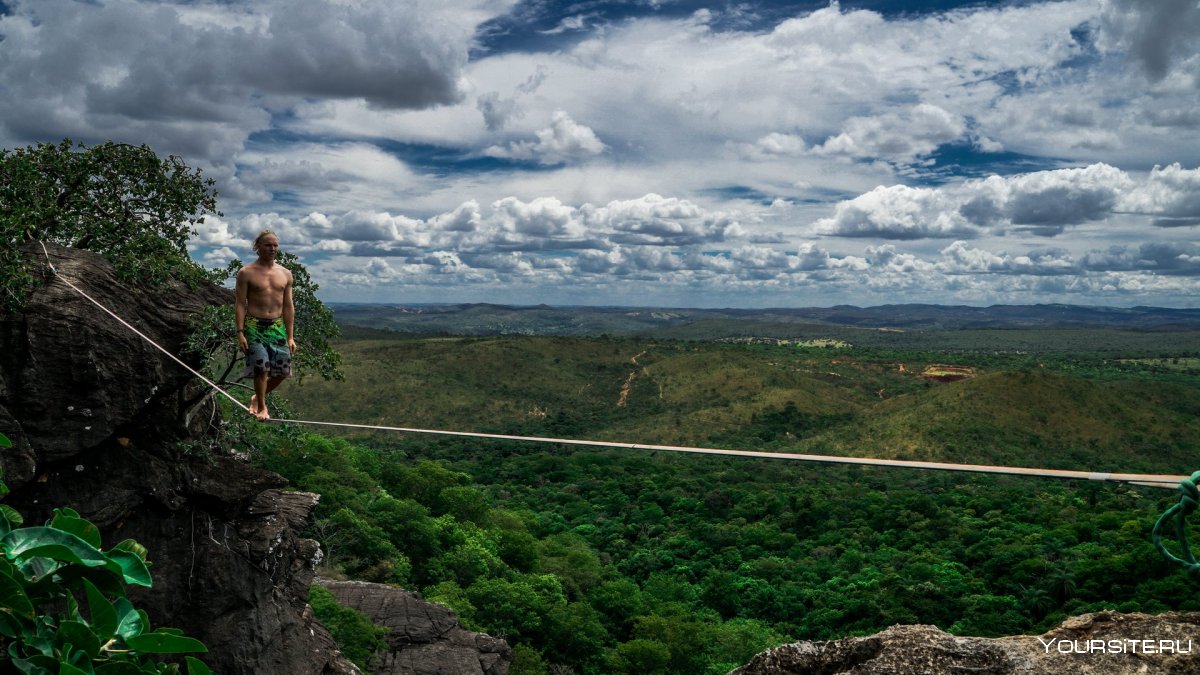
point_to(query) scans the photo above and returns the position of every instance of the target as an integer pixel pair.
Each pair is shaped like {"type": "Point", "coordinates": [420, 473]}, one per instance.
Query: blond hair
{"type": "Point", "coordinates": [259, 238]}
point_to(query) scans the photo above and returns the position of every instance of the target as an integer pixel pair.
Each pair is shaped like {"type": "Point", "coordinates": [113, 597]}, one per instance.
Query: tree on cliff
{"type": "Point", "coordinates": [138, 210]}
{"type": "Point", "coordinates": [122, 201]}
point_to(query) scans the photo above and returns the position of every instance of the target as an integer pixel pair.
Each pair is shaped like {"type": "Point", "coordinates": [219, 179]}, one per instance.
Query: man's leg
{"type": "Point", "coordinates": [269, 386]}
{"type": "Point", "coordinates": [260, 397]}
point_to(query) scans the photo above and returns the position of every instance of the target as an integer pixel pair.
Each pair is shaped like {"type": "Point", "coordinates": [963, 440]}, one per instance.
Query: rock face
{"type": "Point", "coordinates": [97, 414]}
{"type": "Point", "coordinates": [1105, 643]}
{"type": "Point", "coordinates": [423, 638]}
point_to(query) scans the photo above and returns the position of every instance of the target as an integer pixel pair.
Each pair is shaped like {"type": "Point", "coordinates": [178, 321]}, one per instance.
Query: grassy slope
{"type": "Point", "coordinates": [1036, 418]}
{"type": "Point", "coordinates": [703, 393]}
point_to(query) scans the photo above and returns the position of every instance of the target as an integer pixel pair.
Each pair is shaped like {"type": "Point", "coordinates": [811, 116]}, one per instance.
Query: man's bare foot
{"type": "Point", "coordinates": [262, 413]}
{"type": "Point", "coordinates": [254, 404]}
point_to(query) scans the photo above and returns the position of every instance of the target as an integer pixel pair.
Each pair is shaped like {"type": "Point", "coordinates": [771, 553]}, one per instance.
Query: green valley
{"type": "Point", "coordinates": [628, 561]}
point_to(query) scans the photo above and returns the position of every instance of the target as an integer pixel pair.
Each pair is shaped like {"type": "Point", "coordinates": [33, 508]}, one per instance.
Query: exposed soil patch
{"type": "Point", "coordinates": [625, 389]}
{"type": "Point", "coordinates": [944, 373]}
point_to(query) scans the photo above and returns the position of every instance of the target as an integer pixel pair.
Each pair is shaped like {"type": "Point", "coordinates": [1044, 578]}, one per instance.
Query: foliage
{"type": "Point", "coordinates": [354, 633]}
{"type": "Point", "coordinates": [122, 201]}
{"type": "Point", "coordinates": [622, 561]}
{"type": "Point", "coordinates": [49, 574]}
{"type": "Point", "coordinates": [1071, 410]}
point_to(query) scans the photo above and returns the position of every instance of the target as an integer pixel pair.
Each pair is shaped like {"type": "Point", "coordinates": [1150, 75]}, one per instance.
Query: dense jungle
{"type": "Point", "coordinates": [606, 560]}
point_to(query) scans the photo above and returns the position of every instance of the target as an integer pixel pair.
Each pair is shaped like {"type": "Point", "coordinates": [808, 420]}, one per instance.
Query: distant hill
{"type": "Point", "coordinates": [1014, 328]}
{"type": "Point", "coordinates": [1012, 410]}
{"type": "Point", "coordinates": [487, 319]}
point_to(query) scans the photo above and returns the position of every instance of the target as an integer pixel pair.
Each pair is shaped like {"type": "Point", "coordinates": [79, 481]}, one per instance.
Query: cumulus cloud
{"type": "Point", "coordinates": [309, 112]}
{"type": "Point", "coordinates": [1171, 193]}
{"type": "Point", "coordinates": [508, 226]}
{"type": "Point", "coordinates": [198, 79]}
{"type": "Point", "coordinates": [898, 212]}
{"type": "Point", "coordinates": [1048, 201]}
{"type": "Point", "coordinates": [381, 227]}
{"type": "Point", "coordinates": [959, 258]}
{"type": "Point", "coordinates": [654, 219]}
{"type": "Point", "coordinates": [1043, 203]}
{"type": "Point", "coordinates": [896, 137]}
{"type": "Point", "coordinates": [563, 141]}
{"type": "Point", "coordinates": [542, 217]}
{"type": "Point", "coordinates": [1166, 258]}
{"type": "Point", "coordinates": [219, 257]}
{"type": "Point", "coordinates": [772, 145]}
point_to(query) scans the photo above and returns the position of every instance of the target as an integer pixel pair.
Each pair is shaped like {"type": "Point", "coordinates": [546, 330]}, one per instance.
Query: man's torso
{"type": "Point", "coordinates": [264, 290]}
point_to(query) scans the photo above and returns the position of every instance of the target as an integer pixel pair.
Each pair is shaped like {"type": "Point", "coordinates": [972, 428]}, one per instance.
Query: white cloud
{"type": "Point", "coordinates": [199, 79]}
{"type": "Point", "coordinates": [216, 231]}
{"type": "Point", "coordinates": [219, 257]}
{"type": "Point", "coordinates": [1043, 203]}
{"type": "Point", "coordinates": [354, 129]}
{"type": "Point", "coordinates": [959, 258]}
{"type": "Point", "coordinates": [1171, 192]}
{"type": "Point", "coordinates": [654, 219]}
{"type": "Point", "coordinates": [897, 212]}
{"type": "Point", "coordinates": [563, 141]}
{"type": "Point", "coordinates": [774, 144]}
{"type": "Point", "coordinates": [1049, 201]}
{"type": "Point", "coordinates": [1166, 258]}
{"type": "Point", "coordinates": [544, 217]}
{"type": "Point", "coordinates": [897, 137]}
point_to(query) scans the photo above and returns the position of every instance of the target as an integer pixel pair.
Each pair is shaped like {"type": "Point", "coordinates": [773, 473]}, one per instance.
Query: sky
{"type": "Point", "coordinates": [679, 153]}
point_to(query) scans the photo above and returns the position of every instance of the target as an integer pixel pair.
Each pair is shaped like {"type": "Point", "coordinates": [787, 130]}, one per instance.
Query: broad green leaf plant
{"type": "Point", "coordinates": [63, 608]}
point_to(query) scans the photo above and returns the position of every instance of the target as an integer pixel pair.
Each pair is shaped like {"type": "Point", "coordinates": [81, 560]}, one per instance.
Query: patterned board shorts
{"type": "Point", "coordinates": [268, 352]}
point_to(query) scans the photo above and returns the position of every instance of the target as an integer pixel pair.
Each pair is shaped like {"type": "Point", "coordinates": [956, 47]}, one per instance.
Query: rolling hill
{"type": "Point", "coordinates": [825, 401]}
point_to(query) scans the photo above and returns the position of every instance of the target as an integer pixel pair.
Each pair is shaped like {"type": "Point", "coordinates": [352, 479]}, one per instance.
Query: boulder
{"type": "Point", "coordinates": [423, 638]}
{"type": "Point", "coordinates": [1103, 643]}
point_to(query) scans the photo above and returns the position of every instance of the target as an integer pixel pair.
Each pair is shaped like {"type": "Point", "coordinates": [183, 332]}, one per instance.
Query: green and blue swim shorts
{"type": "Point", "coordinates": [268, 348]}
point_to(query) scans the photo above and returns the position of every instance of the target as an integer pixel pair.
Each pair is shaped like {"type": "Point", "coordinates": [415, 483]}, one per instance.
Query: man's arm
{"type": "Point", "coordinates": [289, 313]}
{"type": "Point", "coordinates": [239, 309]}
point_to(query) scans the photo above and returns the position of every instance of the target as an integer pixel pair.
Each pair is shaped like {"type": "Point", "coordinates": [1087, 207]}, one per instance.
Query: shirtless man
{"type": "Point", "coordinates": [264, 314]}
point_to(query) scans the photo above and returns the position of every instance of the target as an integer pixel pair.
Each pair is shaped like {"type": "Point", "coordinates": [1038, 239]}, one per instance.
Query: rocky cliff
{"type": "Point", "coordinates": [98, 416]}
{"type": "Point", "coordinates": [423, 638]}
{"type": "Point", "coordinates": [1106, 643]}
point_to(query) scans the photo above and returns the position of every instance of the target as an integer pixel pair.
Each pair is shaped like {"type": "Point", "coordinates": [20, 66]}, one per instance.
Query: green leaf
{"type": "Point", "coordinates": [73, 608]}
{"type": "Point", "coordinates": [69, 521]}
{"type": "Point", "coordinates": [196, 666]}
{"type": "Point", "coordinates": [132, 567]}
{"type": "Point", "coordinates": [11, 517]}
{"type": "Point", "coordinates": [165, 643]}
{"type": "Point", "coordinates": [48, 542]}
{"type": "Point", "coordinates": [132, 623]}
{"type": "Point", "coordinates": [68, 669]}
{"type": "Point", "coordinates": [38, 568]}
{"type": "Point", "coordinates": [13, 597]}
{"type": "Point", "coordinates": [119, 668]}
{"type": "Point", "coordinates": [10, 626]}
{"type": "Point", "coordinates": [103, 614]}
{"type": "Point", "coordinates": [30, 668]}
{"type": "Point", "coordinates": [131, 546]}
{"type": "Point", "coordinates": [78, 635]}
{"type": "Point", "coordinates": [109, 582]}
{"type": "Point", "coordinates": [4, 442]}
